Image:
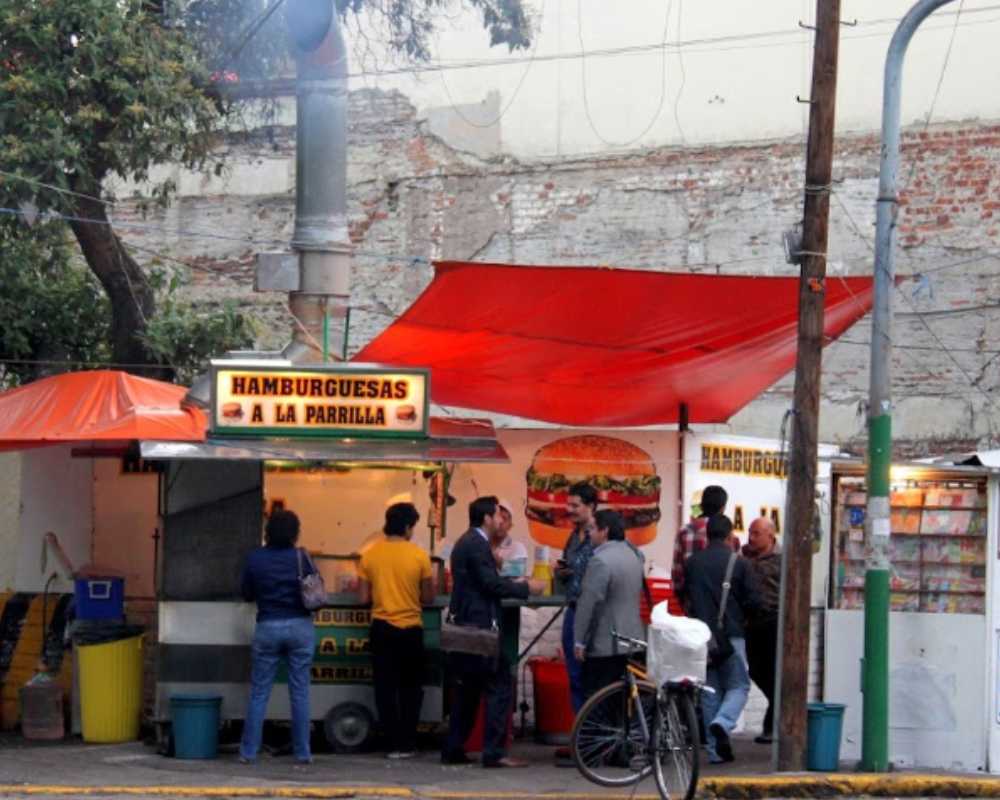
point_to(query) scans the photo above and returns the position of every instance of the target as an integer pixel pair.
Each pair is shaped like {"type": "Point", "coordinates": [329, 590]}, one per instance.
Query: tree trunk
{"type": "Point", "coordinates": [132, 298]}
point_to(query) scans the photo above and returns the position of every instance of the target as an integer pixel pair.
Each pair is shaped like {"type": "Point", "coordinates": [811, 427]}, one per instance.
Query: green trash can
{"type": "Point", "coordinates": [826, 723]}
{"type": "Point", "coordinates": [195, 720]}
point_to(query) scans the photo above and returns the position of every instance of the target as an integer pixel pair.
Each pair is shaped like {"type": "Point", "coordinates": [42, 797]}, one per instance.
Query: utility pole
{"type": "Point", "coordinates": [875, 671]}
{"type": "Point", "coordinates": [801, 499]}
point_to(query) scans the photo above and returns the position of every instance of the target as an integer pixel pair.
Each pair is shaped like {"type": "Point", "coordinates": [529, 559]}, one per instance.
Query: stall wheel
{"type": "Point", "coordinates": [348, 727]}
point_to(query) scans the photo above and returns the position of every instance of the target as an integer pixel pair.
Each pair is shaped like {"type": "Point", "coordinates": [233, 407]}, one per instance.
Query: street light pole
{"type": "Point", "coordinates": [875, 673]}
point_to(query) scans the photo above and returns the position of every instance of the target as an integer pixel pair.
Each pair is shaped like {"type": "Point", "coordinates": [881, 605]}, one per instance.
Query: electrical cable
{"type": "Point", "coordinates": [683, 71]}
{"type": "Point", "coordinates": [920, 316]}
{"type": "Point", "coordinates": [59, 189]}
{"type": "Point", "coordinates": [517, 89]}
{"type": "Point", "coordinates": [583, 74]}
{"type": "Point", "coordinates": [689, 46]}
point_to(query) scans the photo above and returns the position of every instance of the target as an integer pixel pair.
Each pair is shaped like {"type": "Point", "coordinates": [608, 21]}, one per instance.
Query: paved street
{"type": "Point", "coordinates": [134, 764]}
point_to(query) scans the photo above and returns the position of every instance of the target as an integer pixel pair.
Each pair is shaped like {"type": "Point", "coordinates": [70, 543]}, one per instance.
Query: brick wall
{"type": "Point", "coordinates": [709, 209]}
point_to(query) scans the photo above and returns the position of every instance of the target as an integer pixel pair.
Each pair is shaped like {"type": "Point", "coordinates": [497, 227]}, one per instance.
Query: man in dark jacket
{"type": "Point", "coordinates": [477, 591]}
{"type": "Point", "coordinates": [764, 557]}
{"type": "Point", "coordinates": [704, 575]}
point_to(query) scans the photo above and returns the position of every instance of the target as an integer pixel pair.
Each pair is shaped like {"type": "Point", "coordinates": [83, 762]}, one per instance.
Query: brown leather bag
{"type": "Point", "coordinates": [470, 639]}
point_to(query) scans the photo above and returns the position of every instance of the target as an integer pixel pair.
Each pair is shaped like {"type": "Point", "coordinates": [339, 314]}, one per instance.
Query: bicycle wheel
{"type": "Point", "coordinates": [607, 742]}
{"type": "Point", "coordinates": [676, 746]}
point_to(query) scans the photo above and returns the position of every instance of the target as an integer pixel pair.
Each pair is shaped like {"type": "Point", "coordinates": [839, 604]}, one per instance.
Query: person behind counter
{"type": "Point", "coordinates": [284, 631]}
{"type": "Point", "coordinates": [396, 579]}
{"type": "Point", "coordinates": [475, 600]}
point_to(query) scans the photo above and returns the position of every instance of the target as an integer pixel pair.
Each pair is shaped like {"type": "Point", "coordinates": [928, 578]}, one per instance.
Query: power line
{"type": "Point", "coordinates": [689, 46]}
{"type": "Point", "coordinates": [916, 312]}
{"type": "Point", "coordinates": [517, 89]}
{"type": "Point", "coordinates": [54, 188]}
{"type": "Point", "coordinates": [583, 74]}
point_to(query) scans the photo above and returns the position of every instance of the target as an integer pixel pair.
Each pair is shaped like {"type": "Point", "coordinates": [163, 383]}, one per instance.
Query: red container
{"type": "Point", "coordinates": [474, 744]}
{"type": "Point", "coordinates": [553, 711]}
{"type": "Point", "coordinates": [660, 589]}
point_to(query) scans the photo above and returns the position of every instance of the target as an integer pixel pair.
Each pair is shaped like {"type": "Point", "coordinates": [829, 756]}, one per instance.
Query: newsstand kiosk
{"type": "Point", "coordinates": [334, 444]}
{"type": "Point", "coordinates": [943, 641]}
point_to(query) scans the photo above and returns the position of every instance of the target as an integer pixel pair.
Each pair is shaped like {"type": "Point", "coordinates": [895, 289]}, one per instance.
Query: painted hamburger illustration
{"type": "Point", "coordinates": [623, 474]}
{"type": "Point", "coordinates": [232, 411]}
{"type": "Point", "coordinates": [406, 413]}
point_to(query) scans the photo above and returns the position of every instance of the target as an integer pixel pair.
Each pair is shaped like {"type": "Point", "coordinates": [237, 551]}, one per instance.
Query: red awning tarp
{"type": "Point", "coordinates": [605, 347]}
{"type": "Point", "coordinates": [101, 405]}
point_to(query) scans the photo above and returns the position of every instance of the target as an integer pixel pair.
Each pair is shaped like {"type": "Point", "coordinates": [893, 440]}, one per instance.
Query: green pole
{"type": "Point", "coordinates": [875, 674]}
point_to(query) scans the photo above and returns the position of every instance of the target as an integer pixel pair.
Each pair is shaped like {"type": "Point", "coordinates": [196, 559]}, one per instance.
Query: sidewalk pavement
{"type": "Point", "coordinates": [135, 770]}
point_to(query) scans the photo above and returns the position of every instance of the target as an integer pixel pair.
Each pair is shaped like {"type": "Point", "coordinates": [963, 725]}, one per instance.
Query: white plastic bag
{"type": "Point", "coordinates": [678, 647]}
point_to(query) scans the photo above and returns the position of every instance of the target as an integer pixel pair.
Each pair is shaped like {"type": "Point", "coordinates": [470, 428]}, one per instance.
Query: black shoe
{"type": "Point", "coordinates": [455, 758]}
{"type": "Point", "coordinates": [764, 738]}
{"type": "Point", "coordinates": [723, 748]}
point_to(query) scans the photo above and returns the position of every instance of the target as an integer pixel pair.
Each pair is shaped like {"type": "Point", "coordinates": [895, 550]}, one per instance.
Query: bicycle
{"type": "Point", "coordinates": [614, 745]}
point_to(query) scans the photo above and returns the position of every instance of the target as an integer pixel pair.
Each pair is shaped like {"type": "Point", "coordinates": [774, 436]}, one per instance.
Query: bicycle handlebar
{"type": "Point", "coordinates": [617, 637]}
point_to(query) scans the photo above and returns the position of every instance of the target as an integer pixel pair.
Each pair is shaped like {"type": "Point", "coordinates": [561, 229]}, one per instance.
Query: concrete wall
{"type": "Point", "coordinates": [709, 209]}
{"type": "Point", "coordinates": [125, 520]}
{"type": "Point", "coordinates": [56, 495]}
{"type": "Point", "coordinates": [10, 512]}
{"type": "Point", "coordinates": [730, 73]}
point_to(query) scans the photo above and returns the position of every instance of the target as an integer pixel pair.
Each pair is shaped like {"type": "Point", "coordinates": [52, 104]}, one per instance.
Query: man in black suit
{"type": "Point", "coordinates": [477, 591]}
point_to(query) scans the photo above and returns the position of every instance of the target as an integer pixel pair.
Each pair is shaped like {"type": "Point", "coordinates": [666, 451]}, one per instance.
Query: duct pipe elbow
{"type": "Point", "coordinates": [321, 126]}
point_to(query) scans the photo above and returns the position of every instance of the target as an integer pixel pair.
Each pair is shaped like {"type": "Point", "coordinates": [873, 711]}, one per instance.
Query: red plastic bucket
{"type": "Point", "coordinates": [660, 589]}
{"type": "Point", "coordinates": [474, 744]}
{"type": "Point", "coordinates": [553, 711]}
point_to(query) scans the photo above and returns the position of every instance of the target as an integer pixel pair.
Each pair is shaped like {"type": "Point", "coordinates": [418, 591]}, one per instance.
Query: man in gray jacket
{"type": "Point", "coordinates": [609, 601]}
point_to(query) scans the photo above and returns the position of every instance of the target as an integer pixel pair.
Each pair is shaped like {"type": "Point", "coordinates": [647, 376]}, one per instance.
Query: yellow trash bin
{"type": "Point", "coordinates": [111, 690]}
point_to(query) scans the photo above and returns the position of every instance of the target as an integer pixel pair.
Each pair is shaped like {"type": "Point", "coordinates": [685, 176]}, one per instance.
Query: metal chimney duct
{"type": "Point", "coordinates": [319, 294]}
{"type": "Point", "coordinates": [321, 239]}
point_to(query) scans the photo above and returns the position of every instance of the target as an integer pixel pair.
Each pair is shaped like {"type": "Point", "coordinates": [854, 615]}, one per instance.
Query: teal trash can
{"type": "Point", "coordinates": [195, 722]}
{"type": "Point", "coordinates": [826, 722]}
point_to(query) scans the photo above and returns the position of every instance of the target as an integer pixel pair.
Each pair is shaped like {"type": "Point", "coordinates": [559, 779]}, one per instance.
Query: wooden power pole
{"type": "Point", "coordinates": [801, 501]}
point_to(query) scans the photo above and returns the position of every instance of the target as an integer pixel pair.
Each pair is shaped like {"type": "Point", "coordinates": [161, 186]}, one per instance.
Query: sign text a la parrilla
{"type": "Point", "coordinates": [322, 401]}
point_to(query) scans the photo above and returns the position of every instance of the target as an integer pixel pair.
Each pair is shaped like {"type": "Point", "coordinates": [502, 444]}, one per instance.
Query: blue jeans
{"type": "Point", "coordinates": [731, 683]}
{"type": "Point", "coordinates": [573, 667]}
{"type": "Point", "coordinates": [294, 640]}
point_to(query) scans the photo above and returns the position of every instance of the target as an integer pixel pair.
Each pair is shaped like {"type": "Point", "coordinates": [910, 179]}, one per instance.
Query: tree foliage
{"type": "Point", "coordinates": [55, 316]}
{"type": "Point", "coordinates": [92, 90]}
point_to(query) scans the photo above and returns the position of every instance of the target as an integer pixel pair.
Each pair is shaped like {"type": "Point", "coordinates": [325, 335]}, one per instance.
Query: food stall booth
{"type": "Point", "coordinates": [943, 640]}
{"type": "Point", "coordinates": [334, 444]}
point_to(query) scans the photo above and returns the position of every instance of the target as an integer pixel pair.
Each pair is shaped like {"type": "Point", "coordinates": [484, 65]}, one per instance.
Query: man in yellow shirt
{"type": "Point", "coordinates": [396, 579]}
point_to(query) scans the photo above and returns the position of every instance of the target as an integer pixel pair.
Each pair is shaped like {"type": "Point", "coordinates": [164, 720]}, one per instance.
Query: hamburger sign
{"type": "Point", "coordinates": [255, 399]}
{"type": "Point", "coordinates": [623, 474]}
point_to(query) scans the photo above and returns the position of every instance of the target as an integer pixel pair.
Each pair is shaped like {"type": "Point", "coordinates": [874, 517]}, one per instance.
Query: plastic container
{"type": "Point", "coordinates": [553, 711]}
{"type": "Point", "coordinates": [474, 741]}
{"type": "Point", "coordinates": [661, 590]}
{"type": "Point", "coordinates": [678, 646]}
{"type": "Point", "coordinates": [111, 690]}
{"type": "Point", "coordinates": [42, 715]}
{"type": "Point", "coordinates": [195, 724]}
{"type": "Point", "coordinates": [99, 597]}
{"type": "Point", "coordinates": [825, 725]}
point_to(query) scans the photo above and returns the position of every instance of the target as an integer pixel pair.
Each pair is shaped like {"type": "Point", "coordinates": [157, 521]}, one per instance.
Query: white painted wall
{"type": "Point", "coordinates": [733, 77]}
{"type": "Point", "coordinates": [56, 495]}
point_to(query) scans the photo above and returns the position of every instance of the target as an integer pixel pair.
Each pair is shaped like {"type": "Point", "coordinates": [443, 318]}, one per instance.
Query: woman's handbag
{"type": "Point", "coordinates": [719, 646]}
{"type": "Point", "coordinates": [469, 639]}
{"type": "Point", "coordinates": [311, 586]}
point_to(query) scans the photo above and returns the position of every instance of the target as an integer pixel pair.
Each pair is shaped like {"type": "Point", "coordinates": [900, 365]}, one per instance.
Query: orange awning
{"type": "Point", "coordinates": [100, 405]}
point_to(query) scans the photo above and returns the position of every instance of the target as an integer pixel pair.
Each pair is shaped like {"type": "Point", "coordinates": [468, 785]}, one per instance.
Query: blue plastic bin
{"type": "Point", "coordinates": [99, 598]}
{"type": "Point", "coordinates": [826, 723]}
{"type": "Point", "coordinates": [195, 719]}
